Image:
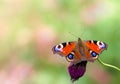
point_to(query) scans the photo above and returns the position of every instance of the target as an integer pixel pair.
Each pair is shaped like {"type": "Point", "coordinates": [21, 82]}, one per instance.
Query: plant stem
{"type": "Point", "coordinates": [108, 65]}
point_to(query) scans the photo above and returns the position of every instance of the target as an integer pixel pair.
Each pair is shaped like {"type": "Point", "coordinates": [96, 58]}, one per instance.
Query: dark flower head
{"type": "Point", "coordinates": [77, 70]}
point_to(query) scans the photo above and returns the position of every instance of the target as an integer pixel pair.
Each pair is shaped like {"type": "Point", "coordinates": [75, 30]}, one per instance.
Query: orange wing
{"type": "Point", "coordinates": [96, 46]}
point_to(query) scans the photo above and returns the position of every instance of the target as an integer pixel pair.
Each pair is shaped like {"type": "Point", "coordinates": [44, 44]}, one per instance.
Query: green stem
{"type": "Point", "coordinates": [108, 65]}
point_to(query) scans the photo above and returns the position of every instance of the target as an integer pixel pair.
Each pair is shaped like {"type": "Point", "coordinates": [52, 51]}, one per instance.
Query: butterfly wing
{"type": "Point", "coordinates": [64, 49]}
{"type": "Point", "coordinates": [81, 50]}
{"type": "Point", "coordinates": [94, 48]}
{"type": "Point", "coordinates": [69, 50]}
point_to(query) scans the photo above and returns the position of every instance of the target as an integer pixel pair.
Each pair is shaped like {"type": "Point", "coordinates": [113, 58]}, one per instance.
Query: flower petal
{"type": "Point", "coordinates": [77, 70]}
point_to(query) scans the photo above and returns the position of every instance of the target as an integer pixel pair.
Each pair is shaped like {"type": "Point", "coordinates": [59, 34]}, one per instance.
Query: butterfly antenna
{"type": "Point", "coordinates": [73, 35]}
{"type": "Point", "coordinates": [83, 32]}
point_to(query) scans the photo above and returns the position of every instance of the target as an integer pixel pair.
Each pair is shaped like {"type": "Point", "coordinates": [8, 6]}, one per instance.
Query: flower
{"type": "Point", "coordinates": [77, 70]}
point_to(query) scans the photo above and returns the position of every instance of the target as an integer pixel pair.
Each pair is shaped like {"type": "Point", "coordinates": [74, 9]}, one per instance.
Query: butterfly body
{"type": "Point", "coordinates": [78, 53]}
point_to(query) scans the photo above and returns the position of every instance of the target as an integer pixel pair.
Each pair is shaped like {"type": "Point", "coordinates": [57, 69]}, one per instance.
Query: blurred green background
{"type": "Point", "coordinates": [30, 28]}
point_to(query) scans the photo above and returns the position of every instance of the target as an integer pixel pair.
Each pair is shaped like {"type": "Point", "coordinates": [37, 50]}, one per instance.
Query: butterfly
{"type": "Point", "coordinates": [78, 53]}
